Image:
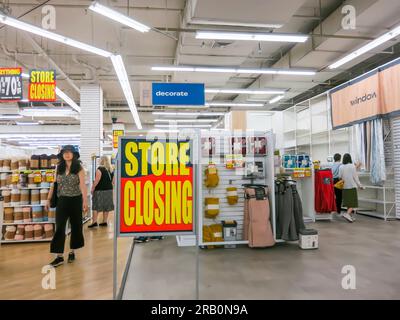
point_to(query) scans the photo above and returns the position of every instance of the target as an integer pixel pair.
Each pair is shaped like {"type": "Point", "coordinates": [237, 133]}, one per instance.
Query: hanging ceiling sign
{"type": "Point", "coordinates": [170, 94]}
{"type": "Point", "coordinates": [373, 95]}
{"type": "Point", "coordinates": [155, 186]}
{"type": "Point", "coordinates": [115, 135]}
{"type": "Point", "coordinates": [10, 84]}
{"type": "Point", "coordinates": [42, 85]}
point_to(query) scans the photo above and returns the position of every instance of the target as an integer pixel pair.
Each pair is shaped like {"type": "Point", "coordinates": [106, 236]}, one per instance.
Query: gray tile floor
{"type": "Point", "coordinates": [161, 270]}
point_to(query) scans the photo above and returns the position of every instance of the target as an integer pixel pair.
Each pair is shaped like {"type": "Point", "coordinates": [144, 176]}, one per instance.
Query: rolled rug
{"type": "Point", "coordinates": [14, 164]}
{"type": "Point", "coordinates": [34, 162]}
{"type": "Point", "coordinates": [37, 214]}
{"type": "Point", "coordinates": [44, 183]}
{"type": "Point", "coordinates": [9, 180]}
{"type": "Point", "coordinates": [43, 196]}
{"type": "Point", "coordinates": [22, 165]}
{"type": "Point", "coordinates": [51, 215]}
{"type": "Point", "coordinates": [7, 196]}
{"type": "Point", "coordinates": [6, 165]}
{"type": "Point", "coordinates": [10, 232]}
{"type": "Point", "coordinates": [53, 161]}
{"type": "Point", "coordinates": [45, 215]}
{"type": "Point", "coordinates": [44, 161]}
{"type": "Point", "coordinates": [48, 231]}
{"type": "Point", "coordinates": [8, 215]}
{"type": "Point", "coordinates": [3, 180]}
{"type": "Point", "coordinates": [18, 215]}
{"type": "Point", "coordinates": [35, 197]}
{"type": "Point", "coordinates": [37, 232]}
{"type": "Point", "coordinates": [27, 214]}
{"type": "Point", "coordinates": [15, 197]}
{"type": "Point", "coordinates": [20, 235]}
{"type": "Point", "coordinates": [29, 232]}
{"type": "Point", "coordinates": [25, 197]}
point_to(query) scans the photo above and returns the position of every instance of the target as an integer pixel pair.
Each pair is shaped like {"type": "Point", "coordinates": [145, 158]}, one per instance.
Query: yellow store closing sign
{"type": "Point", "coordinates": [155, 186]}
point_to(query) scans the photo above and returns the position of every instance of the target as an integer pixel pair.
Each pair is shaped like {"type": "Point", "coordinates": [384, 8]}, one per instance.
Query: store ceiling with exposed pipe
{"type": "Point", "coordinates": [173, 41]}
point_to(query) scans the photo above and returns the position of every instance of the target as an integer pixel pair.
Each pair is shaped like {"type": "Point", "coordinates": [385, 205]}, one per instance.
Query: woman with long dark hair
{"type": "Point", "coordinates": [348, 173]}
{"type": "Point", "coordinates": [71, 202]}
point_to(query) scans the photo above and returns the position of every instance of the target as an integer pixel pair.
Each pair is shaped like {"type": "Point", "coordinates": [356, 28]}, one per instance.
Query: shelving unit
{"type": "Point", "coordinates": [25, 223]}
{"type": "Point", "coordinates": [379, 201]}
{"type": "Point", "coordinates": [24, 241]}
{"type": "Point", "coordinates": [234, 212]}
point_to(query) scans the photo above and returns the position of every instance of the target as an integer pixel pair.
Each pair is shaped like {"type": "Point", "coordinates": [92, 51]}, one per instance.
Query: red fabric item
{"type": "Point", "coordinates": [324, 192]}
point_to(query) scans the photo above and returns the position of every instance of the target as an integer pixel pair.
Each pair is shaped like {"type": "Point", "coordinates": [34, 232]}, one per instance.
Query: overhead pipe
{"type": "Point", "coordinates": [40, 50]}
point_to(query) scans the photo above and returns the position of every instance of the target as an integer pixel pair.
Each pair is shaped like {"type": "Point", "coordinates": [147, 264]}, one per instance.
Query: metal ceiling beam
{"type": "Point", "coordinates": [40, 50]}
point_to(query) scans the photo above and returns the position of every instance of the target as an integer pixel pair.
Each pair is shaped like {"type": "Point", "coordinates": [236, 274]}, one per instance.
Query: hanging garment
{"type": "Point", "coordinates": [360, 143]}
{"type": "Point", "coordinates": [298, 210]}
{"type": "Point", "coordinates": [289, 210]}
{"type": "Point", "coordinates": [368, 139]}
{"type": "Point", "coordinates": [377, 163]}
{"type": "Point", "coordinates": [257, 218]}
{"type": "Point", "coordinates": [324, 199]}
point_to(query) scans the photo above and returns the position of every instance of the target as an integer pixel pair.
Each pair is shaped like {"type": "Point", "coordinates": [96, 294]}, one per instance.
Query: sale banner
{"type": "Point", "coordinates": [10, 84]}
{"type": "Point", "coordinates": [115, 135]}
{"type": "Point", "coordinates": [42, 85]}
{"type": "Point", "coordinates": [155, 187]}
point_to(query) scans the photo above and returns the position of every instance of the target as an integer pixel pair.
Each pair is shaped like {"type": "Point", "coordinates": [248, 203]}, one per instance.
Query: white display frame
{"type": "Point", "coordinates": [269, 180]}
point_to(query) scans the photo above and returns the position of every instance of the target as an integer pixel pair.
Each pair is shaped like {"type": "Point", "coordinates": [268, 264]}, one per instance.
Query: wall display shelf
{"type": "Point", "coordinates": [24, 241]}
{"type": "Point", "coordinates": [230, 178]}
{"type": "Point", "coordinates": [25, 223]}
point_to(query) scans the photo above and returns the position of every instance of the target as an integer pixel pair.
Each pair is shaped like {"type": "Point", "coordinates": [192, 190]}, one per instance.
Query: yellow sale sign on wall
{"type": "Point", "coordinates": [155, 186]}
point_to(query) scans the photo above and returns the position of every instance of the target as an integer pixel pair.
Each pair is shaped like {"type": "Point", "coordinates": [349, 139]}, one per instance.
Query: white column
{"type": "Point", "coordinates": [91, 123]}
{"type": "Point", "coordinates": [396, 161]}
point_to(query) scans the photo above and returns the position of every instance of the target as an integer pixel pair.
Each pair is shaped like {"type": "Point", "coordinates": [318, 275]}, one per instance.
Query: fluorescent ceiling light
{"type": "Point", "coordinates": [53, 112]}
{"type": "Point", "coordinates": [126, 87]}
{"type": "Point", "coordinates": [67, 99]}
{"type": "Point", "coordinates": [62, 95]}
{"type": "Point", "coordinates": [244, 91]}
{"type": "Point", "coordinates": [276, 99]}
{"type": "Point", "coordinates": [27, 123]}
{"type": "Point", "coordinates": [231, 104]}
{"type": "Point", "coordinates": [119, 17]}
{"type": "Point", "coordinates": [298, 72]}
{"type": "Point", "coordinates": [188, 114]}
{"type": "Point", "coordinates": [369, 46]}
{"type": "Point", "coordinates": [186, 120]}
{"type": "Point", "coordinates": [236, 24]}
{"type": "Point", "coordinates": [219, 35]}
{"type": "Point", "coordinates": [51, 35]}
{"type": "Point", "coordinates": [37, 135]}
{"type": "Point", "coordinates": [10, 117]}
{"type": "Point", "coordinates": [258, 100]}
{"type": "Point", "coordinates": [182, 126]}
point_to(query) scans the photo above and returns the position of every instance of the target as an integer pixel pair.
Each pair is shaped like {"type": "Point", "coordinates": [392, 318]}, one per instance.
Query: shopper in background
{"type": "Point", "coordinates": [71, 201]}
{"type": "Point", "coordinates": [335, 172]}
{"type": "Point", "coordinates": [102, 192]}
{"type": "Point", "coordinates": [348, 173]}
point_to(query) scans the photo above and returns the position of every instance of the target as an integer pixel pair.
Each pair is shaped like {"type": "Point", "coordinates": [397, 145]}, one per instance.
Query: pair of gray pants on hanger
{"type": "Point", "coordinates": [289, 212]}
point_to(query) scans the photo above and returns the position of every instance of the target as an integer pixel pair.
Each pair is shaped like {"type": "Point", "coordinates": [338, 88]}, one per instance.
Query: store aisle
{"type": "Point", "coordinates": [161, 270]}
{"type": "Point", "coordinates": [89, 277]}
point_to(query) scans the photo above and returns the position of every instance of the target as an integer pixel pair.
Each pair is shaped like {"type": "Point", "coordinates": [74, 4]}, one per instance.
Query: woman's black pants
{"type": "Point", "coordinates": [68, 208]}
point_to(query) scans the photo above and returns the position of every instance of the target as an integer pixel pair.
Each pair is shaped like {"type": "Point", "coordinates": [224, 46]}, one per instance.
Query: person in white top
{"type": "Point", "coordinates": [348, 173]}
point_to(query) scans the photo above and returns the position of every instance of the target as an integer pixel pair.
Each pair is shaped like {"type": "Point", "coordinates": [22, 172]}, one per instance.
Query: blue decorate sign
{"type": "Point", "coordinates": [168, 94]}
